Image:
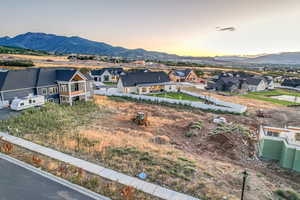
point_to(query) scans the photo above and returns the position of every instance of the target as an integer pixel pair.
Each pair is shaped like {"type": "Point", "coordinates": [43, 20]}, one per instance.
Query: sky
{"type": "Point", "coordinates": [183, 27]}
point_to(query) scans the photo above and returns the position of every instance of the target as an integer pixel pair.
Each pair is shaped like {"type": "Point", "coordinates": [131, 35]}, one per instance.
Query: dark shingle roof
{"type": "Point", "coordinates": [291, 82]}
{"type": "Point", "coordinates": [46, 77]}
{"type": "Point", "coordinates": [2, 78]}
{"type": "Point", "coordinates": [88, 77]}
{"type": "Point", "coordinates": [64, 74]}
{"type": "Point", "coordinates": [35, 77]}
{"type": "Point", "coordinates": [253, 81]}
{"type": "Point", "coordinates": [97, 72]}
{"type": "Point", "coordinates": [136, 78]}
{"type": "Point", "coordinates": [112, 71]}
{"type": "Point", "coordinates": [17, 79]}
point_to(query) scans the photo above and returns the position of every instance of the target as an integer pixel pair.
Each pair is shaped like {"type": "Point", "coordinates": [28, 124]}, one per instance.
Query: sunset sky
{"type": "Point", "coordinates": [184, 27]}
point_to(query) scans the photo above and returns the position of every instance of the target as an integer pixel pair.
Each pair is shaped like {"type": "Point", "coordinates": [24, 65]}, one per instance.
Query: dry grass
{"type": "Point", "coordinates": [114, 141]}
{"type": "Point", "coordinates": [32, 57]}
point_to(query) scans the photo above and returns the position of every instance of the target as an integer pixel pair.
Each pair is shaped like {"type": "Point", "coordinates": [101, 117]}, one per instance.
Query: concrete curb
{"type": "Point", "coordinates": [56, 179]}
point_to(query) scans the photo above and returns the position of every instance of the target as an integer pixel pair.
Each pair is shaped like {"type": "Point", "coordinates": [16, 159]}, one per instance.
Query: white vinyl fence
{"type": "Point", "coordinates": [220, 105]}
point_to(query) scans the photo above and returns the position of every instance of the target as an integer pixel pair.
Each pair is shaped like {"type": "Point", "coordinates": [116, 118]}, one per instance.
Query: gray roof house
{"type": "Point", "coordinates": [107, 74]}
{"type": "Point", "coordinates": [55, 84]}
{"type": "Point", "coordinates": [146, 82]}
{"type": "Point", "coordinates": [238, 83]}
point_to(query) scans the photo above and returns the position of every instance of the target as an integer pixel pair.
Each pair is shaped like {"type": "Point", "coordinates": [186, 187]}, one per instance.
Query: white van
{"type": "Point", "coordinates": [27, 102]}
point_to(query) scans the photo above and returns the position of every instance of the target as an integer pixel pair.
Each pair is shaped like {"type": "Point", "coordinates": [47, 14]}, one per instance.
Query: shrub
{"type": "Point", "coordinates": [16, 63]}
{"type": "Point", "coordinates": [287, 195]}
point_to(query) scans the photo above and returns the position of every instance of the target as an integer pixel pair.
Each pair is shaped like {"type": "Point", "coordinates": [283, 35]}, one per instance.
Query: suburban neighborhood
{"type": "Point", "coordinates": [150, 100]}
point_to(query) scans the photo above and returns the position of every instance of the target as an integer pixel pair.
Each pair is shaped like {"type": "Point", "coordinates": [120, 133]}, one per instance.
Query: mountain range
{"type": "Point", "coordinates": [67, 45]}
{"type": "Point", "coordinates": [292, 58]}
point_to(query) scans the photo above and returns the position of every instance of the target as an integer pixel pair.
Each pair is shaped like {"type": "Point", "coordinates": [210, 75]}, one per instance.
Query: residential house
{"type": "Point", "coordinates": [280, 144]}
{"type": "Point", "coordinates": [55, 84]}
{"type": "Point", "coordinates": [291, 82]}
{"type": "Point", "coordinates": [107, 74]}
{"type": "Point", "coordinates": [229, 82]}
{"type": "Point", "coordinates": [145, 82]}
{"type": "Point", "coordinates": [255, 84]}
{"type": "Point", "coordinates": [186, 75]}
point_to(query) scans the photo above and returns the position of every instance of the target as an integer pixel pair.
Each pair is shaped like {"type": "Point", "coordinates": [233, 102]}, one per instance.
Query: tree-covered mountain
{"type": "Point", "coordinates": [66, 45]}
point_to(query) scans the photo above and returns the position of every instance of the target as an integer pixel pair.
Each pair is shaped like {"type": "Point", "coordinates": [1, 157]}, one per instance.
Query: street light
{"type": "Point", "coordinates": [245, 175]}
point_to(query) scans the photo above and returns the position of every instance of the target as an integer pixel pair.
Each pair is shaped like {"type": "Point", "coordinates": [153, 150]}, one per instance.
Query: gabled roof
{"type": "Point", "coordinates": [35, 77]}
{"type": "Point", "coordinates": [136, 78]}
{"type": "Point", "coordinates": [65, 74]}
{"type": "Point", "coordinates": [112, 71]}
{"type": "Point", "coordinates": [254, 81]}
{"type": "Point", "coordinates": [88, 77]}
{"type": "Point", "coordinates": [182, 73]}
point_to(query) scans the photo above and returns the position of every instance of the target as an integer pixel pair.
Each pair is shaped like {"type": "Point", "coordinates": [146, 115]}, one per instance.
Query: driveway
{"type": "Point", "coordinates": [6, 113]}
{"type": "Point", "coordinates": [18, 183]}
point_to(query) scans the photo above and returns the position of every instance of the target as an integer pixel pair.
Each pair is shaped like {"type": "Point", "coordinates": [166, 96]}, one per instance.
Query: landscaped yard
{"type": "Point", "coordinates": [110, 83]}
{"type": "Point", "coordinates": [267, 96]}
{"type": "Point", "coordinates": [177, 95]}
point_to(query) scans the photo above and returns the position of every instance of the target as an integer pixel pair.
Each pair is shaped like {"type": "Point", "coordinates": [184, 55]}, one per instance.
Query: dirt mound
{"type": "Point", "coordinates": [230, 141]}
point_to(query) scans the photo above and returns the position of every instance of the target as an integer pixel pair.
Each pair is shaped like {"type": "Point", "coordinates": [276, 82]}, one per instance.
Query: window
{"type": "Point", "coordinates": [106, 78]}
{"type": "Point", "coordinates": [144, 89]}
{"type": "Point", "coordinates": [44, 91]}
{"type": "Point", "coordinates": [30, 101]}
{"type": "Point", "coordinates": [95, 79]}
{"type": "Point", "coordinates": [297, 137]}
{"type": "Point", "coordinates": [64, 88]}
{"type": "Point", "coordinates": [52, 90]}
{"type": "Point", "coordinates": [21, 104]}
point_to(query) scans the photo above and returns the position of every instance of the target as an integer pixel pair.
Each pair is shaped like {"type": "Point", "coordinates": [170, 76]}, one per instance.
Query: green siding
{"type": "Point", "coordinates": [287, 157]}
{"type": "Point", "coordinates": [297, 161]}
{"type": "Point", "coordinates": [271, 149]}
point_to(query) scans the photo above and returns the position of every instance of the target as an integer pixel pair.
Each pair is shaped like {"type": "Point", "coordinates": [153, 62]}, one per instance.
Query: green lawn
{"type": "Point", "coordinates": [177, 95]}
{"type": "Point", "coordinates": [110, 83]}
{"type": "Point", "coordinates": [276, 92]}
{"type": "Point", "coordinates": [267, 96]}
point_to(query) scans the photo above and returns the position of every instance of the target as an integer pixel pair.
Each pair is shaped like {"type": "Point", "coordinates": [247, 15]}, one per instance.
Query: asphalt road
{"type": "Point", "coordinates": [6, 113]}
{"type": "Point", "coordinates": [17, 183]}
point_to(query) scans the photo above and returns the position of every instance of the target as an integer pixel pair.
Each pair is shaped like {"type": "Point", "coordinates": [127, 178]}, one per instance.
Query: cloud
{"type": "Point", "coordinates": [231, 28]}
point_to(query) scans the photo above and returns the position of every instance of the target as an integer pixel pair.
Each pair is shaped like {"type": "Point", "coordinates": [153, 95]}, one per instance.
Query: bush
{"type": "Point", "coordinates": [16, 63]}
{"type": "Point", "coordinates": [287, 195]}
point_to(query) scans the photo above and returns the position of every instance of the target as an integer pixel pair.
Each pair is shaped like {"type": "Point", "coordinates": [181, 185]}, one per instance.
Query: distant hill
{"type": "Point", "coordinates": [280, 58]}
{"type": "Point", "coordinates": [66, 45]}
{"type": "Point", "coordinates": [17, 50]}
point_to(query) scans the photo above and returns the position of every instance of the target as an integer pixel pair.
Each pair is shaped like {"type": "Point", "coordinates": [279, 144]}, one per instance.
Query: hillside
{"type": "Point", "coordinates": [66, 45]}
{"type": "Point", "coordinates": [280, 58]}
{"type": "Point", "coordinates": [16, 50]}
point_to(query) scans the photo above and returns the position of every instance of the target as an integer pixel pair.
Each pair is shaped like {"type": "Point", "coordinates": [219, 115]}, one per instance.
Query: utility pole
{"type": "Point", "coordinates": [245, 175]}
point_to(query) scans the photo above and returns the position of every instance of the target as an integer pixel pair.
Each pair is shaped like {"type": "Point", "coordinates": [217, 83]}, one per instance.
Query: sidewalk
{"type": "Point", "coordinates": [109, 174]}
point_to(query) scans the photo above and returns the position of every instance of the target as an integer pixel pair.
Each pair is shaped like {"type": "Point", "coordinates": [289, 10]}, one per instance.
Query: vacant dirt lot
{"type": "Point", "coordinates": [219, 169]}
